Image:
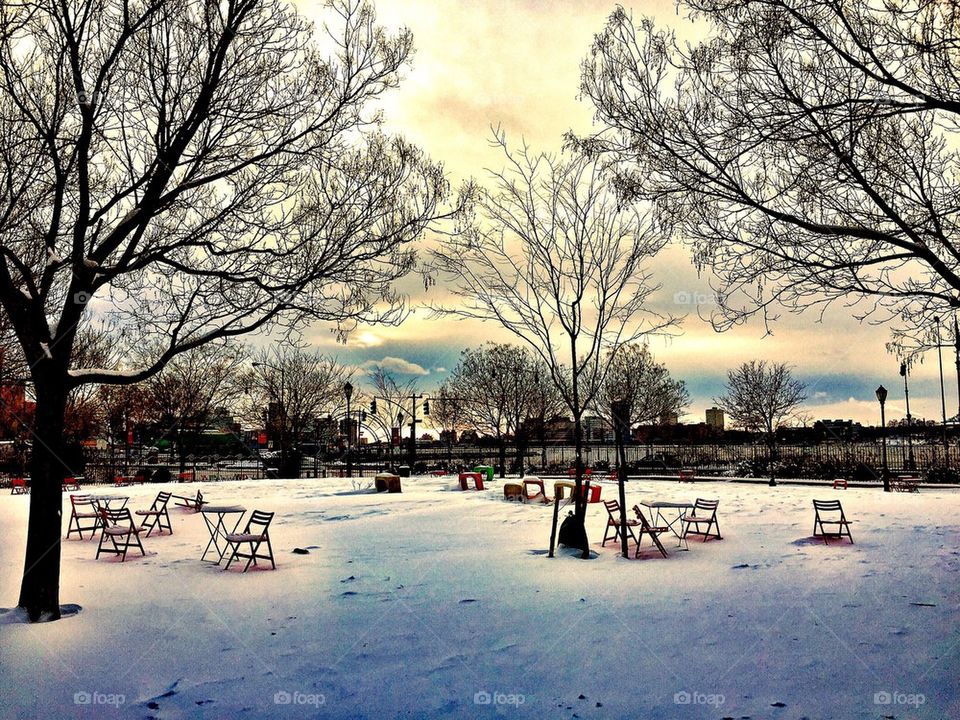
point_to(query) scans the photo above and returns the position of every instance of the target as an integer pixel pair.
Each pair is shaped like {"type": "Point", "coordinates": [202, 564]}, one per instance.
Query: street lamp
{"type": "Point", "coordinates": [348, 393]}
{"type": "Point", "coordinates": [911, 464]}
{"type": "Point", "coordinates": [943, 396]}
{"type": "Point", "coordinates": [882, 397]}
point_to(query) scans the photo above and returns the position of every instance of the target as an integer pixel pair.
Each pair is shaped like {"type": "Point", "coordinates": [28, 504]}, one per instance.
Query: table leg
{"type": "Point", "coordinates": [212, 529]}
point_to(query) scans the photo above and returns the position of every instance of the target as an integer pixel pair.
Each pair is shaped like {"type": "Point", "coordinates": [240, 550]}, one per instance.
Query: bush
{"type": "Point", "coordinates": [160, 475]}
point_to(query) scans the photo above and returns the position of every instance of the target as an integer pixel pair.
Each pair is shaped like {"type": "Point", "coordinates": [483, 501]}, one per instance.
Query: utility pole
{"type": "Point", "coordinates": [943, 397]}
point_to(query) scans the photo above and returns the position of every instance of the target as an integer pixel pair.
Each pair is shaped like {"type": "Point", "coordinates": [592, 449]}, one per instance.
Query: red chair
{"type": "Point", "coordinates": [70, 483]}
{"type": "Point", "coordinates": [18, 486]}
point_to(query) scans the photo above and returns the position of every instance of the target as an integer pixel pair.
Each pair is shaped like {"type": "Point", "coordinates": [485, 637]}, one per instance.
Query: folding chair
{"type": "Point", "coordinates": [255, 534]}
{"type": "Point", "coordinates": [830, 506]}
{"type": "Point", "coordinates": [70, 483]}
{"type": "Point", "coordinates": [83, 508]}
{"type": "Point", "coordinates": [118, 525]}
{"type": "Point", "coordinates": [155, 516]}
{"type": "Point", "coordinates": [704, 511]}
{"type": "Point", "coordinates": [18, 486]}
{"type": "Point", "coordinates": [613, 521]}
{"type": "Point", "coordinates": [195, 504]}
{"type": "Point", "coordinates": [648, 529]}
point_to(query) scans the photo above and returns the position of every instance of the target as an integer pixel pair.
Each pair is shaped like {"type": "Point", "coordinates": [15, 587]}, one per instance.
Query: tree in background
{"type": "Point", "coordinates": [294, 386]}
{"type": "Point", "coordinates": [761, 397]}
{"type": "Point", "coordinates": [806, 148]}
{"type": "Point", "coordinates": [393, 398]}
{"type": "Point", "coordinates": [448, 415]}
{"type": "Point", "coordinates": [497, 386]}
{"type": "Point", "coordinates": [555, 258]}
{"type": "Point", "coordinates": [183, 398]}
{"type": "Point", "coordinates": [636, 377]}
{"type": "Point", "coordinates": [201, 171]}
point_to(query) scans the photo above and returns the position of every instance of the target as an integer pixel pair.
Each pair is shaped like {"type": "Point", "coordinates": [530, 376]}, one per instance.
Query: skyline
{"type": "Point", "coordinates": [514, 65]}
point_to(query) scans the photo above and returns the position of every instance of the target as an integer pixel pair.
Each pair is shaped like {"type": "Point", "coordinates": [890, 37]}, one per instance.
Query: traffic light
{"type": "Point", "coordinates": [426, 406]}
{"type": "Point", "coordinates": [373, 406]}
{"type": "Point", "coordinates": [363, 416]}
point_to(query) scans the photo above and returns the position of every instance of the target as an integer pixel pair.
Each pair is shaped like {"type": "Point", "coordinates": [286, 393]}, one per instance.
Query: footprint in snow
{"type": "Point", "coordinates": [467, 601]}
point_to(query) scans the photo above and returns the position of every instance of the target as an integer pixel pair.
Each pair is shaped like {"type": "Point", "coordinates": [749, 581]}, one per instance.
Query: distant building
{"type": "Point", "coordinates": [595, 429]}
{"type": "Point", "coordinates": [669, 418]}
{"type": "Point", "coordinates": [715, 418]}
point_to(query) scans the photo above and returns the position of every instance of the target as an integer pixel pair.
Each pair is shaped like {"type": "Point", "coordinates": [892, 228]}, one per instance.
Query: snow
{"type": "Point", "coordinates": [421, 604]}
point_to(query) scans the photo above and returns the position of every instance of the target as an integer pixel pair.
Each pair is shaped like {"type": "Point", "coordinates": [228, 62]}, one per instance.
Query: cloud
{"type": "Point", "coordinates": [396, 365]}
{"type": "Point", "coordinates": [440, 369]}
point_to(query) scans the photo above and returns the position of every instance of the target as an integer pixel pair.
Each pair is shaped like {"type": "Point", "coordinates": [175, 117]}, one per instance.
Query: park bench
{"type": "Point", "coordinates": [905, 484]}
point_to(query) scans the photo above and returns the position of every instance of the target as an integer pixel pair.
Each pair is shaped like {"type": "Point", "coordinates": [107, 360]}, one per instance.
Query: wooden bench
{"type": "Point", "coordinates": [905, 484]}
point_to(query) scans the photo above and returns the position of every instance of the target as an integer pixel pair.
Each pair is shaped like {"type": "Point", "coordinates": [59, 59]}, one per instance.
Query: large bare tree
{"type": "Point", "coordinates": [200, 170]}
{"type": "Point", "coordinates": [555, 258]}
{"type": "Point", "coordinates": [806, 148]}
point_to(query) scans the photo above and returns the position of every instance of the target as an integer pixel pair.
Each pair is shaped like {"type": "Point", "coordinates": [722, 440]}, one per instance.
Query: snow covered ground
{"type": "Point", "coordinates": [439, 603]}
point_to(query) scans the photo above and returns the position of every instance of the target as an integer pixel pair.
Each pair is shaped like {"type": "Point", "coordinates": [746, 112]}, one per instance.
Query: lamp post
{"type": "Point", "coordinates": [882, 397]}
{"type": "Point", "coordinates": [943, 396]}
{"type": "Point", "coordinates": [348, 393]}
{"type": "Point", "coordinates": [911, 464]}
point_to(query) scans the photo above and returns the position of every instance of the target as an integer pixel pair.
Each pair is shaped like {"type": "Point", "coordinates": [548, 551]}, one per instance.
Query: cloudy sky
{"type": "Point", "coordinates": [515, 63]}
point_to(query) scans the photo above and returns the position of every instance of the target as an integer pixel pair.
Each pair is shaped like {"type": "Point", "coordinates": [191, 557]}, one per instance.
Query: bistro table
{"type": "Point", "coordinates": [218, 528]}
{"type": "Point", "coordinates": [111, 502]}
{"type": "Point", "coordinates": [659, 506]}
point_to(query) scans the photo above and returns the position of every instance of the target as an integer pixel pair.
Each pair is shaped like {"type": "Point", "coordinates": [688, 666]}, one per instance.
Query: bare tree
{"type": "Point", "coordinates": [186, 395]}
{"type": "Point", "coordinates": [201, 171]}
{"type": "Point", "coordinates": [294, 387]}
{"type": "Point", "coordinates": [496, 384]}
{"type": "Point", "coordinates": [636, 377]}
{"type": "Point", "coordinates": [447, 414]}
{"type": "Point", "coordinates": [393, 398]}
{"type": "Point", "coordinates": [557, 260]}
{"type": "Point", "coordinates": [806, 148]}
{"type": "Point", "coordinates": [761, 397]}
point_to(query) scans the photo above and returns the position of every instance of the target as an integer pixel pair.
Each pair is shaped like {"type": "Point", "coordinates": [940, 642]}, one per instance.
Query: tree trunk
{"type": "Point", "coordinates": [503, 457]}
{"type": "Point", "coordinates": [40, 588]}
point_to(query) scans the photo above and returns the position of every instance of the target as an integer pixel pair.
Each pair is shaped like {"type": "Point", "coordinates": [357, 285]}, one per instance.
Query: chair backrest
{"type": "Point", "coordinates": [162, 499]}
{"type": "Point", "coordinates": [258, 519]}
{"type": "Point", "coordinates": [613, 506]}
{"type": "Point", "coordinates": [827, 506]}
{"type": "Point", "coordinates": [76, 500]}
{"type": "Point", "coordinates": [641, 517]}
{"type": "Point", "coordinates": [708, 505]}
{"type": "Point", "coordinates": [114, 516]}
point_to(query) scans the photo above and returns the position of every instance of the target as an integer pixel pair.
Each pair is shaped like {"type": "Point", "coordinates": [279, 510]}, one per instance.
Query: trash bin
{"type": "Point", "coordinates": [403, 471]}
{"type": "Point", "coordinates": [485, 470]}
